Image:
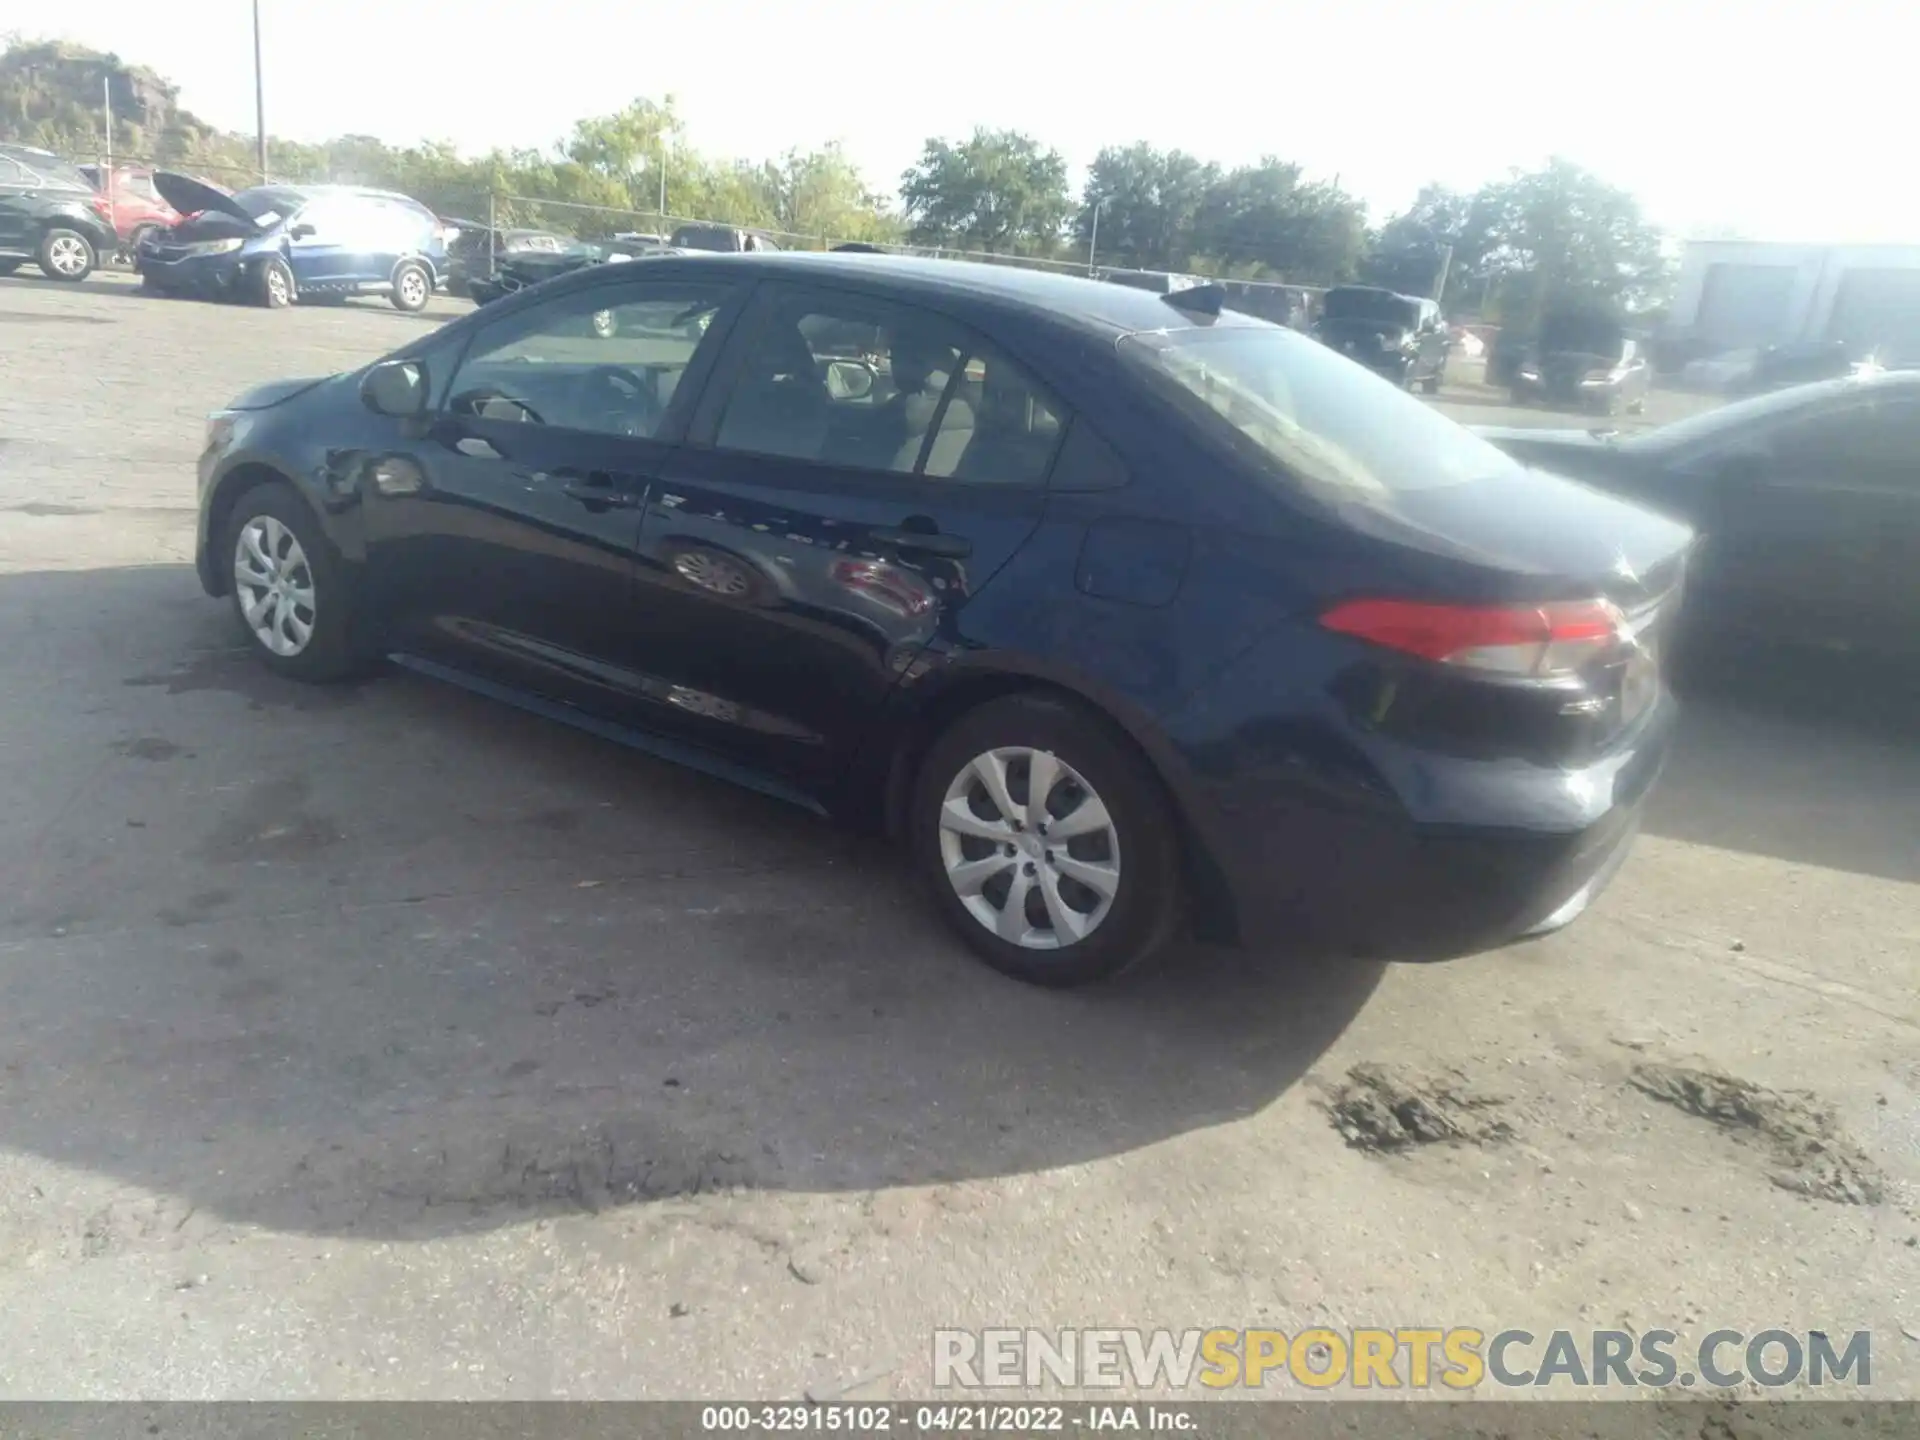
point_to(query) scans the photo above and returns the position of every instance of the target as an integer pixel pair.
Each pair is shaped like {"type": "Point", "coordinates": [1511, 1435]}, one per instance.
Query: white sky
{"type": "Point", "coordinates": [1789, 119]}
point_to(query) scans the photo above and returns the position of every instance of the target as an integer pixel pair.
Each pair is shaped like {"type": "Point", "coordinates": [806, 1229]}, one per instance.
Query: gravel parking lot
{"type": "Point", "coordinates": [387, 1042]}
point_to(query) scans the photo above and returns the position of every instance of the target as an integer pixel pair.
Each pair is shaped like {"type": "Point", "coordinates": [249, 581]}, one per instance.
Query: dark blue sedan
{"type": "Point", "coordinates": [1124, 613]}
{"type": "Point", "coordinates": [276, 244]}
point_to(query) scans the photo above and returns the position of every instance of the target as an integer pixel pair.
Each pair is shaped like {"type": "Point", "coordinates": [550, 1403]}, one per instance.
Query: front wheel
{"type": "Point", "coordinates": [1047, 841]}
{"type": "Point", "coordinates": [412, 287]}
{"type": "Point", "coordinates": [293, 599]}
{"type": "Point", "coordinates": [275, 285]}
{"type": "Point", "coordinates": [66, 255]}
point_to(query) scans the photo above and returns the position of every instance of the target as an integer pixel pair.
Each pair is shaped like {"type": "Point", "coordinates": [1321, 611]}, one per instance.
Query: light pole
{"type": "Point", "coordinates": [259, 96]}
{"type": "Point", "coordinates": [1093, 238]}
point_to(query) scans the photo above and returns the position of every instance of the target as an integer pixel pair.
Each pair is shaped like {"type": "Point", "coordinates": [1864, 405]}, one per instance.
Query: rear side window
{"type": "Point", "coordinates": [850, 383]}
{"type": "Point", "coordinates": [1305, 416]}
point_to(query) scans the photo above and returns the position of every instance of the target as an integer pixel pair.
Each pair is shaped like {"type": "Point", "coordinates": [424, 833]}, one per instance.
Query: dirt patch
{"type": "Point", "coordinates": [272, 824]}
{"type": "Point", "coordinates": [1806, 1150]}
{"type": "Point", "coordinates": [1381, 1109]}
{"type": "Point", "coordinates": [148, 747]}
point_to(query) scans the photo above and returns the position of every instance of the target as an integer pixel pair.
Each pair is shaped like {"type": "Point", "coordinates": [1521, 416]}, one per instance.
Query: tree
{"type": "Point", "coordinates": [1563, 236]}
{"type": "Point", "coordinates": [998, 191]}
{"type": "Point", "coordinates": [1147, 202]}
{"type": "Point", "coordinates": [1411, 249]}
{"type": "Point", "coordinates": [1262, 220]}
{"type": "Point", "coordinates": [820, 193]}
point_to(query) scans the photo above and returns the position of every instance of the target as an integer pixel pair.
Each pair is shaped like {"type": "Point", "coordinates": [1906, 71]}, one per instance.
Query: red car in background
{"type": "Point", "coordinates": [138, 209]}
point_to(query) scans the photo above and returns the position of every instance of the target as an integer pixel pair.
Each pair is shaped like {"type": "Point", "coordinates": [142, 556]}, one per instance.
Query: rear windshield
{"type": "Point", "coordinates": [1308, 417]}
{"type": "Point", "coordinates": [707, 237]}
{"type": "Point", "coordinates": [1370, 305]}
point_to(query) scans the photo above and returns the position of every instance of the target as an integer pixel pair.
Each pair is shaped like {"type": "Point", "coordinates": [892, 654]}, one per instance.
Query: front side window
{"type": "Point", "coordinates": [1306, 417]}
{"type": "Point", "coordinates": [884, 388]}
{"type": "Point", "coordinates": [607, 361]}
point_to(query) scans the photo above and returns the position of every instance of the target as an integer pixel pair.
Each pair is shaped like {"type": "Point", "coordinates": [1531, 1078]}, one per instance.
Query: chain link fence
{"type": "Point", "coordinates": [499, 209]}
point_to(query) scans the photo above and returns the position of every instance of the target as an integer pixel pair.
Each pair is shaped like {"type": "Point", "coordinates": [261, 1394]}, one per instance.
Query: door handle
{"type": "Point", "coordinates": [600, 496]}
{"type": "Point", "coordinates": [925, 542]}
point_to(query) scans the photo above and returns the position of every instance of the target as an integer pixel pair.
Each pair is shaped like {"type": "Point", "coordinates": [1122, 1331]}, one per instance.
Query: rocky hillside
{"type": "Point", "coordinates": [51, 94]}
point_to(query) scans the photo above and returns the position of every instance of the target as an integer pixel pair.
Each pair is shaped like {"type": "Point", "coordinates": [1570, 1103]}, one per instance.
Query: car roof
{"type": "Point", "coordinates": [1087, 304]}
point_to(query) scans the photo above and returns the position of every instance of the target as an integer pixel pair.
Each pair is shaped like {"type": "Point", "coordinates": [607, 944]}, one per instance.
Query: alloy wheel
{"type": "Point", "coordinates": [275, 585]}
{"type": "Point", "coordinates": [1029, 848]}
{"type": "Point", "coordinates": [413, 288]}
{"type": "Point", "coordinates": [68, 255]}
{"type": "Point", "coordinates": [712, 572]}
{"type": "Point", "coordinates": [277, 289]}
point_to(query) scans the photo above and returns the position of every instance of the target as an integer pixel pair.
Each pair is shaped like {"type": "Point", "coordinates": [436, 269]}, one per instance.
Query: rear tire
{"type": "Point", "coordinates": [1114, 878]}
{"type": "Point", "coordinates": [66, 255]}
{"type": "Point", "coordinates": [412, 287]}
{"type": "Point", "coordinates": [295, 601]}
{"type": "Point", "coordinates": [273, 285]}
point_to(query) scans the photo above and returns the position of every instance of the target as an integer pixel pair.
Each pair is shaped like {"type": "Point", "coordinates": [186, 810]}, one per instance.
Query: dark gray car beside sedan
{"type": "Point", "coordinates": [1806, 500]}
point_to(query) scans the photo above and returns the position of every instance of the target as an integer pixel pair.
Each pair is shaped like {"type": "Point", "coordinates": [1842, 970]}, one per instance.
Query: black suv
{"type": "Point", "coordinates": [50, 215]}
{"type": "Point", "coordinates": [726, 239]}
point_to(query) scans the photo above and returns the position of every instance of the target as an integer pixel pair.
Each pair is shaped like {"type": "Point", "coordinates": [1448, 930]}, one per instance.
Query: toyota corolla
{"type": "Point", "coordinates": [1127, 614]}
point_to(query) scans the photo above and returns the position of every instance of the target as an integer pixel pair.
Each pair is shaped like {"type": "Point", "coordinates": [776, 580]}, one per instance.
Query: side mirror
{"type": "Point", "coordinates": [396, 387]}
{"type": "Point", "coordinates": [300, 232]}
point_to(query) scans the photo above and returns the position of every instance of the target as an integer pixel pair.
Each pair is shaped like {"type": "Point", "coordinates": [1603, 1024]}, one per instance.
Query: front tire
{"type": "Point", "coordinates": [412, 287]}
{"type": "Point", "coordinates": [294, 600]}
{"type": "Point", "coordinates": [66, 255]}
{"type": "Point", "coordinates": [274, 285]}
{"type": "Point", "coordinates": [1047, 841]}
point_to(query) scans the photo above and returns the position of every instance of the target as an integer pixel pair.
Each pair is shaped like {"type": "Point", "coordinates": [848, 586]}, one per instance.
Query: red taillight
{"type": "Point", "coordinates": [1523, 640]}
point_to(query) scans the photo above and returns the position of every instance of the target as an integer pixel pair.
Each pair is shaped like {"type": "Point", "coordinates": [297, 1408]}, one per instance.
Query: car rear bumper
{"type": "Point", "coordinates": [1346, 842]}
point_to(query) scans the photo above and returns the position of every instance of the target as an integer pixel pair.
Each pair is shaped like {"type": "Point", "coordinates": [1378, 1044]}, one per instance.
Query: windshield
{"type": "Point", "coordinates": [1752, 413]}
{"type": "Point", "coordinates": [1371, 305]}
{"type": "Point", "coordinates": [1308, 417]}
{"type": "Point", "coordinates": [268, 202]}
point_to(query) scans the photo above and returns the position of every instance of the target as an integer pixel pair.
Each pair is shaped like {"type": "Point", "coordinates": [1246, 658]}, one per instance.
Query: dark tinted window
{"type": "Point", "coordinates": [1306, 416]}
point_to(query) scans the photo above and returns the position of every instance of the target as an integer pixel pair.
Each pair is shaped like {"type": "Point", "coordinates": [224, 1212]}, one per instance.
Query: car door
{"type": "Point", "coordinates": [15, 191]}
{"type": "Point", "coordinates": [323, 240]}
{"type": "Point", "coordinates": [501, 542]}
{"type": "Point", "coordinates": [856, 474]}
{"type": "Point", "coordinates": [1816, 527]}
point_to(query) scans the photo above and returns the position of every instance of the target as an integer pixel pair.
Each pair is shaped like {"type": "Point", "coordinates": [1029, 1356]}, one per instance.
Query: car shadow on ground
{"type": "Point", "coordinates": [1806, 756]}
{"type": "Point", "coordinates": [391, 960]}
